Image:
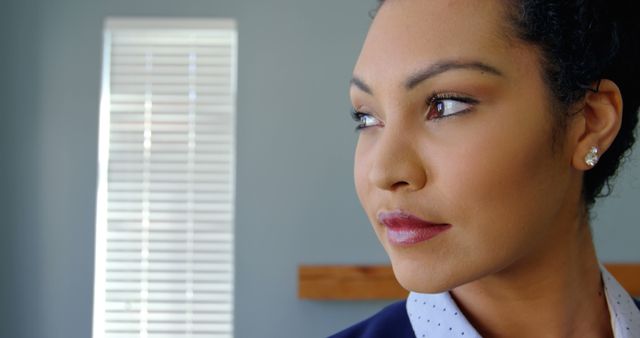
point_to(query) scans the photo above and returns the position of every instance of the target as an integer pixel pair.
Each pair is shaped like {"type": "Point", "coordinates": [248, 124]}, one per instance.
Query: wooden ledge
{"type": "Point", "coordinates": [343, 282]}
{"type": "Point", "coordinates": [377, 282]}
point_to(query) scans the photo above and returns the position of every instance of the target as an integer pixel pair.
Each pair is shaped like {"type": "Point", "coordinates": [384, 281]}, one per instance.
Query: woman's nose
{"type": "Point", "coordinates": [396, 163]}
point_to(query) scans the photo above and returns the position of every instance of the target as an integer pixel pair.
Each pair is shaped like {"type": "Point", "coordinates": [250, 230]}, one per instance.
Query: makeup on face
{"type": "Point", "coordinates": [455, 132]}
{"type": "Point", "coordinates": [405, 229]}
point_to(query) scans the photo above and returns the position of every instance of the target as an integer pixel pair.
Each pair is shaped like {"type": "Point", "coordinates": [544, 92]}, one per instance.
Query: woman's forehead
{"type": "Point", "coordinates": [407, 35]}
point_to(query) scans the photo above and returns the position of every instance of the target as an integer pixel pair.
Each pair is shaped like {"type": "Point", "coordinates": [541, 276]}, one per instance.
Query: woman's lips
{"type": "Point", "coordinates": [406, 229]}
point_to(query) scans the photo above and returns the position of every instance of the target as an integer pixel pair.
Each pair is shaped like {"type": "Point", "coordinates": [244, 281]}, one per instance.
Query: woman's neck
{"type": "Point", "coordinates": [557, 292]}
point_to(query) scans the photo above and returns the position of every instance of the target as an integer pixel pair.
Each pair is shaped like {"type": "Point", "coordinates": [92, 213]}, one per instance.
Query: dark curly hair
{"type": "Point", "coordinates": [581, 42]}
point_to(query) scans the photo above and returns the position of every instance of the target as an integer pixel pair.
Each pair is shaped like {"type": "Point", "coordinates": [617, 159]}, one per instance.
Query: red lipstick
{"type": "Point", "coordinates": [406, 229]}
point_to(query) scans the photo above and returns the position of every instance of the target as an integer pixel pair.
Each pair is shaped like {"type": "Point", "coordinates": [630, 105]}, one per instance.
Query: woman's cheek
{"type": "Point", "coordinates": [361, 167]}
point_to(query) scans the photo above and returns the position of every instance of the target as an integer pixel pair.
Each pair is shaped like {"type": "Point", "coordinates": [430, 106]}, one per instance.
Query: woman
{"type": "Point", "coordinates": [487, 130]}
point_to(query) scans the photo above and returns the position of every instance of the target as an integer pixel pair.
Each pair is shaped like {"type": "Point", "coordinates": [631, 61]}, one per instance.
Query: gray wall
{"type": "Point", "coordinates": [295, 199]}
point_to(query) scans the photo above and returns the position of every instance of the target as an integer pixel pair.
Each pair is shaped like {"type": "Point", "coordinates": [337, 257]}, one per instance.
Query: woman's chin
{"type": "Point", "coordinates": [425, 278]}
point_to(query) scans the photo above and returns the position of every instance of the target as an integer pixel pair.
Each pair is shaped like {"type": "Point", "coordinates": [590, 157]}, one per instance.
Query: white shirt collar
{"type": "Point", "coordinates": [625, 316]}
{"type": "Point", "coordinates": [437, 315]}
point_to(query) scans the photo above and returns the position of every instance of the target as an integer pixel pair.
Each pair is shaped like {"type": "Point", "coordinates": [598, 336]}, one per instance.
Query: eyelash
{"type": "Point", "coordinates": [358, 117]}
{"type": "Point", "coordinates": [442, 96]}
{"type": "Point", "coordinates": [432, 101]}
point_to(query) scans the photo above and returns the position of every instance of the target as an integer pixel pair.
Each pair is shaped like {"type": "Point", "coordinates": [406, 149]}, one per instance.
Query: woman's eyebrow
{"type": "Point", "coordinates": [447, 65]}
{"type": "Point", "coordinates": [433, 70]}
{"type": "Point", "coordinates": [357, 82]}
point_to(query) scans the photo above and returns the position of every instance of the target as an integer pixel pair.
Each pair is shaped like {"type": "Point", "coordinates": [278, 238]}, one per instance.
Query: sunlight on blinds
{"type": "Point", "coordinates": [164, 223]}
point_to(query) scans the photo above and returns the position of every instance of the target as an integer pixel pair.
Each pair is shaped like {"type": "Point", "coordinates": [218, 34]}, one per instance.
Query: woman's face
{"type": "Point", "coordinates": [457, 133]}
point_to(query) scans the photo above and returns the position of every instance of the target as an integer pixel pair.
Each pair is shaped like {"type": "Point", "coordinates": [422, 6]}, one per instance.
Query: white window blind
{"type": "Point", "coordinates": [164, 220]}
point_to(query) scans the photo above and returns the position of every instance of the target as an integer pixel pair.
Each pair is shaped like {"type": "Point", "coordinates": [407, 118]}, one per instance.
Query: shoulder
{"type": "Point", "coordinates": [392, 321]}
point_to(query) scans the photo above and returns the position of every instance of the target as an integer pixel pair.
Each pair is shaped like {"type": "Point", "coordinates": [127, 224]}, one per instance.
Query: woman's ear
{"type": "Point", "coordinates": [598, 123]}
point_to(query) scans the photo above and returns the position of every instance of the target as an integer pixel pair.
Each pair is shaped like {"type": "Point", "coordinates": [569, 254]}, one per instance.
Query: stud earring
{"type": "Point", "coordinates": [591, 158]}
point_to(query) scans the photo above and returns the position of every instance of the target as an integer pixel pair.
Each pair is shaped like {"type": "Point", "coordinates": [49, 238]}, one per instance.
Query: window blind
{"type": "Point", "coordinates": [165, 204]}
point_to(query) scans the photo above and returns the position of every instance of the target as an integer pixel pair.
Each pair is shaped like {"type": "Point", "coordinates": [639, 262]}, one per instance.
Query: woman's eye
{"type": "Point", "coordinates": [364, 120]}
{"type": "Point", "coordinates": [444, 107]}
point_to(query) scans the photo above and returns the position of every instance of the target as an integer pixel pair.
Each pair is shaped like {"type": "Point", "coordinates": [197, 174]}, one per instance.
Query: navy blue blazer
{"type": "Point", "coordinates": [392, 321]}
